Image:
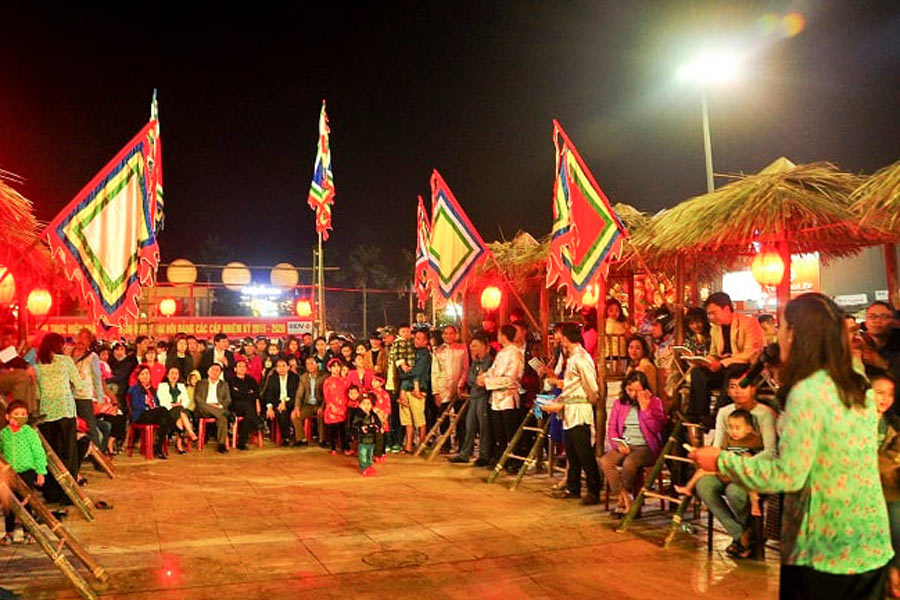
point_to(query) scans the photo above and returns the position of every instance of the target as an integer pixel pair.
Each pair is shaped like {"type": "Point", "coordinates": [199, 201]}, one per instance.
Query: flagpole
{"type": "Point", "coordinates": [512, 290]}
{"type": "Point", "coordinates": [321, 284]}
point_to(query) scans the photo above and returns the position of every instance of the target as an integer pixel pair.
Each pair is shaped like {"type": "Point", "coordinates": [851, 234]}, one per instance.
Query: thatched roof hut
{"type": "Point", "coordinates": [21, 251]}
{"type": "Point", "coordinates": [805, 206]}
{"type": "Point", "coordinates": [877, 201]}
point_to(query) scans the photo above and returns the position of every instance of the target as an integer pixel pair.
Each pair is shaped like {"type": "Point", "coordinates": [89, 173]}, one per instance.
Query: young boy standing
{"type": "Point", "coordinates": [382, 408]}
{"type": "Point", "coordinates": [366, 424]}
{"type": "Point", "coordinates": [21, 446]}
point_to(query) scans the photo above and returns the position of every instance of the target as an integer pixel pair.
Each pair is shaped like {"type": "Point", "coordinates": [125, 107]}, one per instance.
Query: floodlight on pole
{"type": "Point", "coordinates": [712, 68]}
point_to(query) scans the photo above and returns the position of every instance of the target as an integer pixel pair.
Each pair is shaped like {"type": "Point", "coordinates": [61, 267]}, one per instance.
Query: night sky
{"type": "Point", "coordinates": [469, 88]}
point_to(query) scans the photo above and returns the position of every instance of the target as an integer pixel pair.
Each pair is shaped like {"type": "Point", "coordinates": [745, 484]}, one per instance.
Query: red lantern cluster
{"type": "Point", "coordinates": [491, 298]}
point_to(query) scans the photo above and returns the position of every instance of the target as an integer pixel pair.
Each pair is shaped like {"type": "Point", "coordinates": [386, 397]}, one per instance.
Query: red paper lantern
{"type": "Point", "coordinates": [39, 302]}
{"type": "Point", "coordinates": [303, 308]}
{"type": "Point", "coordinates": [168, 307]}
{"type": "Point", "coordinates": [491, 298]}
{"type": "Point", "coordinates": [7, 288]}
{"type": "Point", "coordinates": [767, 267]}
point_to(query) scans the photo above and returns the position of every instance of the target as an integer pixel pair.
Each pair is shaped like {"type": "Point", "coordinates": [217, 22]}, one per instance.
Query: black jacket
{"type": "Point", "coordinates": [366, 426]}
{"type": "Point", "coordinates": [271, 395]}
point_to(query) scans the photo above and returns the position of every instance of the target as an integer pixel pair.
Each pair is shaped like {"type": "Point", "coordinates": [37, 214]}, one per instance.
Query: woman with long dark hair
{"type": "Point", "coordinates": [640, 359]}
{"type": "Point", "coordinates": [697, 331]}
{"type": "Point", "coordinates": [835, 539]}
{"type": "Point", "coordinates": [57, 376]}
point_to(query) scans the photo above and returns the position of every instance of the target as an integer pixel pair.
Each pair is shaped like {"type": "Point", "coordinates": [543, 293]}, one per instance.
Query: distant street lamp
{"type": "Point", "coordinates": [715, 68]}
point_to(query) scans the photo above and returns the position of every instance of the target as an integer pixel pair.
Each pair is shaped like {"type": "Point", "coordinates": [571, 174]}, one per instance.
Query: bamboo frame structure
{"type": "Point", "coordinates": [29, 498]}
{"type": "Point", "coordinates": [66, 481]}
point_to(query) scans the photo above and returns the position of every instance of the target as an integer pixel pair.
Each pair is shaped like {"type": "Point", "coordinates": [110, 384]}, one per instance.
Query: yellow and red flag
{"type": "Point", "coordinates": [586, 235]}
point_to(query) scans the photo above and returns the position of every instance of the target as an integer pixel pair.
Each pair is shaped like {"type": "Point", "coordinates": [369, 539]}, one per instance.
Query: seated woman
{"type": "Point", "coordinates": [639, 359]}
{"type": "Point", "coordinates": [145, 408]}
{"type": "Point", "coordinates": [173, 395]}
{"type": "Point", "coordinates": [634, 437]}
{"type": "Point", "coordinates": [696, 334]}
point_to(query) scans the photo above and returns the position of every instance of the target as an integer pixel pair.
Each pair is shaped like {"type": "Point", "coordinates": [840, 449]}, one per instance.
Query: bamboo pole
{"type": "Point", "coordinates": [59, 559]}
{"type": "Point", "coordinates": [679, 299]}
{"type": "Point", "coordinates": [600, 359]}
{"type": "Point", "coordinates": [545, 320]}
{"type": "Point", "coordinates": [890, 266]}
{"type": "Point", "coordinates": [515, 294]}
{"type": "Point", "coordinates": [321, 279]}
{"type": "Point", "coordinates": [66, 481]}
{"type": "Point", "coordinates": [105, 464]}
{"type": "Point", "coordinates": [784, 286]}
{"type": "Point", "coordinates": [29, 498]}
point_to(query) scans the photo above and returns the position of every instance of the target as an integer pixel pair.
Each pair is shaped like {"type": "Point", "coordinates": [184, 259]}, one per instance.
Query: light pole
{"type": "Point", "coordinates": [714, 68]}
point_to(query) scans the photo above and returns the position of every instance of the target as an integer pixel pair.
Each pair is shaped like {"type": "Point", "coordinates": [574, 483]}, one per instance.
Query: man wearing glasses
{"type": "Point", "coordinates": [881, 341]}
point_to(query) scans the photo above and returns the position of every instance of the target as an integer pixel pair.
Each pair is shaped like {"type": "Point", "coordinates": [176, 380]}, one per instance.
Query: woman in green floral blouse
{"type": "Point", "coordinates": [835, 533]}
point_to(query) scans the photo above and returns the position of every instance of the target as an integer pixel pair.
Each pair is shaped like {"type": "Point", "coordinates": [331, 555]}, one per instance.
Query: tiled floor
{"type": "Point", "coordinates": [288, 523]}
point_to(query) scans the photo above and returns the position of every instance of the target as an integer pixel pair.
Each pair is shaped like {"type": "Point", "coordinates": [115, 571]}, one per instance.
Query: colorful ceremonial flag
{"type": "Point", "coordinates": [586, 233]}
{"type": "Point", "coordinates": [423, 241]}
{"type": "Point", "coordinates": [106, 236]}
{"type": "Point", "coordinates": [456, 248]}
{"type": "Point", "coordinates": [155, 165]}
{"type": "Point", "coordinates": [321, 192]}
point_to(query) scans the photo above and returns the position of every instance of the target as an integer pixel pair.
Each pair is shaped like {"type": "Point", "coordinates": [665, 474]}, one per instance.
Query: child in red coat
{"type": "Point", "coordinates": [382, 408]}
{"type": "Point", "coordinates": [335, 392]}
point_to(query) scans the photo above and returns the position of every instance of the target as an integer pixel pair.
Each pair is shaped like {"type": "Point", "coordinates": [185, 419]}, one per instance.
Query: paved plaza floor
{"type": "Point", "coordinates": [287, 523]}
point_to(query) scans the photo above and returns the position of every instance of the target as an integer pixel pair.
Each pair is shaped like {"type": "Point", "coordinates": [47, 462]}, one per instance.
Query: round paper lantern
{"type": "Point", "coordinates": [7, 288]}
{"type": "Point", "coordinates": [168, 307]}
{"type": "Point", "coordinates": [491, 298]}
{"type": "Point", "coordinates": [303, 308]}
{"type": "Point", "coordinates": [235, 275]}
{"type": "Point", "coordinates": [767, 267]}
{"type": "Point", "coordinates": [284, 275]}
{"type": "Point", "coordinates": [181, 272]}
{"type": "Point", "coordinates": [39, 302]}
{"type": "Point", "coordinates": [591, 295]}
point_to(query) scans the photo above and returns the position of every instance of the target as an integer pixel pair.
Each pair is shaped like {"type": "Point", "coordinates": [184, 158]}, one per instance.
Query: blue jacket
{"type": "Point", "coordinates": [138, 401]}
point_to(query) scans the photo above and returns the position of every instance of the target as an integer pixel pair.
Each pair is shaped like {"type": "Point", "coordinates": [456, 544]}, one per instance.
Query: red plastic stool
{"type": "Point", "coordinates": [201, 434]}
{"type": "Point", "coordinates": [147, 432]}
{"type": "Point", "coordinates": [276, 432]}
{"type": "Point", "coordinates": [256, 437]}
{"type": "Point", "coordinates": [307, 430]}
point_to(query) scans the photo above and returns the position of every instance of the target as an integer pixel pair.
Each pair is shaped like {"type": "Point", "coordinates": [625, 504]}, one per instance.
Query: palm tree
{"type": "Point", "coordinates": [365, 269]}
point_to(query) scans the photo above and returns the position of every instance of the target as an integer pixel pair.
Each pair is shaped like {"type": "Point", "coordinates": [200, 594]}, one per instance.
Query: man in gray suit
{"type": "Point", "coordinates": [309, 401]}
{"type": "Point", "coordinates": [212, 399]}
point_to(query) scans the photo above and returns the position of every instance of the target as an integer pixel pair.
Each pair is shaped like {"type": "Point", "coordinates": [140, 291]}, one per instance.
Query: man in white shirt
{"type": "Point", "coordinates": [220, 354]}
{"type": "Point", "coordinates": [502, 380]}
{"type": "Point", "coordinates": [449, 366]}
{"type": "Point", "coordinates": [579, 395]}
{"type": "Point", "coordinates": [212, 398]}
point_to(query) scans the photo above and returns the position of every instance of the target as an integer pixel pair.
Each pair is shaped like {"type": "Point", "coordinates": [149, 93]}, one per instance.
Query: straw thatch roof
{"type": "Point", "coordinates": [524, 257]}
{"type": "Point", "coordinates": [20, 249]}
{"type": "Point", "coordinates": [805, 205]}
{"type": "Point", "coordinates": [877, 200]}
